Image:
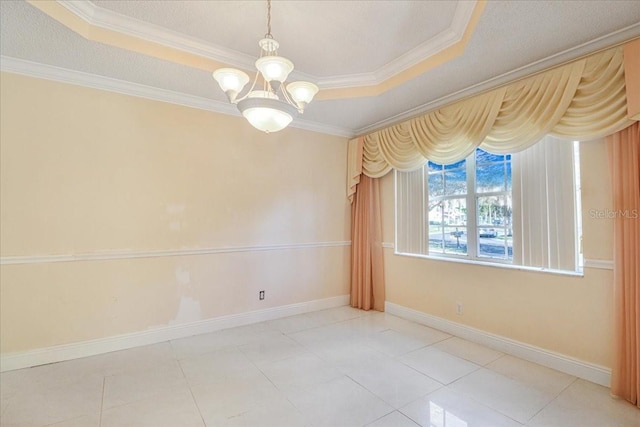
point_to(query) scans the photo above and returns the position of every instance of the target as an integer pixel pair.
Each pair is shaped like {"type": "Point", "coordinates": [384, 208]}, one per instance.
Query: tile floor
{"type": "Point", "coordinates": [337, 367]}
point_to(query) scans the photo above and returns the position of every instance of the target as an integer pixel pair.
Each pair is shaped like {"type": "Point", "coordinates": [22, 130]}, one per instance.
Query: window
{"type": "Point", "coordinates": [515, 209]}
{"type": "Point", "coordinates": [470, 207]}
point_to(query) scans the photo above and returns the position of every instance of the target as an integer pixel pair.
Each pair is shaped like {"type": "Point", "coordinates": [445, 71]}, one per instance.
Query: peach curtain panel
{"type": "Point", "coordinates": [354, 166]}
{"type": "Point", "coordinates": [367, 267]}
{"type": "Point", "coordinates": [584, 99]}
{"type": "Point", "coordinates": [624, 156]}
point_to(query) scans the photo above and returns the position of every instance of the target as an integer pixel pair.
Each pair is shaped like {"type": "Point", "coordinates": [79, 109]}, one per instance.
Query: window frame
{"type": "Point", "coordinates": [465, 259]}
{"type": "Point", "coordinates": [471, 198]}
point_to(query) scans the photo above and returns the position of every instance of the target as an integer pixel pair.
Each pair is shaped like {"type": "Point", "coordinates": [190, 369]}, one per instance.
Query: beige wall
{"type": "Point", "coordinates": [568, 315]}
{"type": "Point", "coordinates": [85, 171]}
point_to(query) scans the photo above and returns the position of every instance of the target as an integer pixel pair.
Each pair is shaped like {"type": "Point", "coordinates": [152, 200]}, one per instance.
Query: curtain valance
{"type": "Point", "coordinates": [584, 99]}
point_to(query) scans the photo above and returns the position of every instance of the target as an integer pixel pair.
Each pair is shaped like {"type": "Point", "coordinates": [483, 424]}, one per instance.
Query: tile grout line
{"type": "Point", "coordinates": [427, 376]}
{"type": "Point", "coordinates": [554, 399]}
{"type": "Point", "coordinates": [385, 415]}
{"type": "Point", "coordinates": [277, 388]}
{"type": "Point", "coordinates": [512, 379]}
{"type": "Point", "coordinates": [104, 386]}
{"type": "Point", "coordinates": [398, 359]}
{"type": "Point", "coordinates": [480, 403]}
{"type": "Point", "coordinates": [393, 409]}
{"type": "Point", "coordinates": [309, 349]}
{"type": "Point", "coordinates": [204, 423]}
{"type": "Point", "coordinates": [284, 394]}
{"type": "Point", "coordinates": [517, 380]}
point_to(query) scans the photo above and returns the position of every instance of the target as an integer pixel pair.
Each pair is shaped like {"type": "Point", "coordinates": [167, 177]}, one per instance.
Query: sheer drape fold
{"type": "Point", "coordinates": [531, 108]}
{"type": "Point", "coordinates": [624, 155]}
{"type": "Point", "coordinates": [374, 164]}
{"type": "Point", "coordinates": [585, 99]}
{"type": "Point", "coordinates": [599, 106]}
{"type": "Point", "coordinates": [452, 133]}
{"type": "Point", "coordinates": [367, 267]}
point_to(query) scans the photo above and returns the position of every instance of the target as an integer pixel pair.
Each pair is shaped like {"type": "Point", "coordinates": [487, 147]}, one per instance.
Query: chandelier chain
{"type": "Point", "coordinates": [268, 35]}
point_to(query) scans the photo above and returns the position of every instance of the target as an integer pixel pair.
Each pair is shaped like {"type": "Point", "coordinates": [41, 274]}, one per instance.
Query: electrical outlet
{"type": "Point", "coordinates": [459, 310]}
{"type": "Point", "coordinates": [261, 295]}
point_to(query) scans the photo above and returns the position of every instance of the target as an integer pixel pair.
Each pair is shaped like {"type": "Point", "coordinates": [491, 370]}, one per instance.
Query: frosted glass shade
{"type": "Point", "coordinates": [274, 68]}
{"type": "Point", "coordinates": [267, 114]}
{"type": "Point", "coordinates": [231, 79]}
{"type": "Point", "coordinates": [267, 119]}
{"type": "Point", "coordinates": [302, 92]}
{"type": "Point", "coordinates": [262, 108]}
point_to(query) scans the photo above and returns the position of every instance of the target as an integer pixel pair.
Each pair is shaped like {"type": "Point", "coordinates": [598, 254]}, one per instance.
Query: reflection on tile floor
{"type": "Point", "coordinates": [339, 367]}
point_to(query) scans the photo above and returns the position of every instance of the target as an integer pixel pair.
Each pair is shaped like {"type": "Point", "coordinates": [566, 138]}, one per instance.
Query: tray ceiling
{"type": "Point", "coordinates": [376, 62]}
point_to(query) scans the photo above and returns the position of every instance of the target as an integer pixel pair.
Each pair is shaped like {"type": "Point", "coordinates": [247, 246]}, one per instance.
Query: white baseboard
{"type": "Point", "coordinates": [585, 370]}
{"type": "Point", "coordinates": [26, 359]}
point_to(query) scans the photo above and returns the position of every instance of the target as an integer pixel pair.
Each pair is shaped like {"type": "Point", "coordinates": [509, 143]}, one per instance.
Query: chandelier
{"type": "Point", "coordinates": [268, 107]}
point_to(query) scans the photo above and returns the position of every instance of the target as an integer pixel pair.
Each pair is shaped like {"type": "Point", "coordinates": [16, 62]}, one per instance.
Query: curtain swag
{"type": "Point", "coordinates": [583, 100]}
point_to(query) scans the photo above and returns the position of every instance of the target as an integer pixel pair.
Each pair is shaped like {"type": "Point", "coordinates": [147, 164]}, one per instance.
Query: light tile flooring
{"type": "Point", "coordinates": [337, 367]}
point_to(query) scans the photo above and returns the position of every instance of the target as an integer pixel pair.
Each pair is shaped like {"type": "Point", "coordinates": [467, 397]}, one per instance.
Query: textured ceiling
{"type": "Point", "coordinates": [321, 37]}
{"type": "Point", "coordinates": [326, 38]}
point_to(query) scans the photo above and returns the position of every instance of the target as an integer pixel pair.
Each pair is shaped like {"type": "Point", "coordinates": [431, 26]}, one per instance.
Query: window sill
{"type": "Point", "coordinates": [493, 264]}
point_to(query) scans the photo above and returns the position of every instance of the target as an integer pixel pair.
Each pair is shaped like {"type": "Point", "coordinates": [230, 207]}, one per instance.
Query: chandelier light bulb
{"type": "Point", "coordinates": [274, 68]}
{"type": "Point", "coordinates": [231, 81]}
{"type": "Point", "coordinates": [302, 92]}
{"type": "Point", "coordinates": [265, 111]}
{"type": "Point", "coordinates": [267, 119]}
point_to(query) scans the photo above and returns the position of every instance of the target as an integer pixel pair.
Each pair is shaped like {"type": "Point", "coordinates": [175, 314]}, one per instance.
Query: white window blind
{"type": "Point", "coordinates": [544, 206]}
{"type": "Point", "coordinates": [544, 199]}
{"type": "Point", "coordinates": [411, 212]}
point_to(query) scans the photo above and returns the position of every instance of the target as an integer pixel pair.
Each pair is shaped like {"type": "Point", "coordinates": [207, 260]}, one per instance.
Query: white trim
{"type": "Point", "coordinates": [461, 259]}
{"type": "Point", "coordinates": [617, 37]}
{"type": "Point", "coordinates": [322, 128]}
{"type": "Point", "coordinates": [25, 359]}
{"type": "Point", "coordinates": [448, 37]}
{"type": "Point", "coordinates": [49, 72]}
{"type": "Point", "coordinates": [588, 371]}
{"type": "Point", "coordinates": [422, 52]}
{"type": "Point", "coordinates": [601, 264]}
{"type": "Point", "coordinates": [129, 254]}
{"type": "Point", "coordinates": [104, 18]}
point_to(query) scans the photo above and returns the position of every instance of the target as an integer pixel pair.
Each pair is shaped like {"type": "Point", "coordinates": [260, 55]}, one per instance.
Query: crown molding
{"type": "Point", "coordinates": [438, 43]}
{"type": "Point", "coordinates": [607, 41]}
{"type": "Point", "coordinates": [117, 22]}
{"type": "Point", "coordinates": [113, 21]}
{"type": "Point", "coordinates": [322, 128]}
{"type": "Point", "coordinates": [79, 78]}
{"type": "Point", "coordinates": [94, 81]}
